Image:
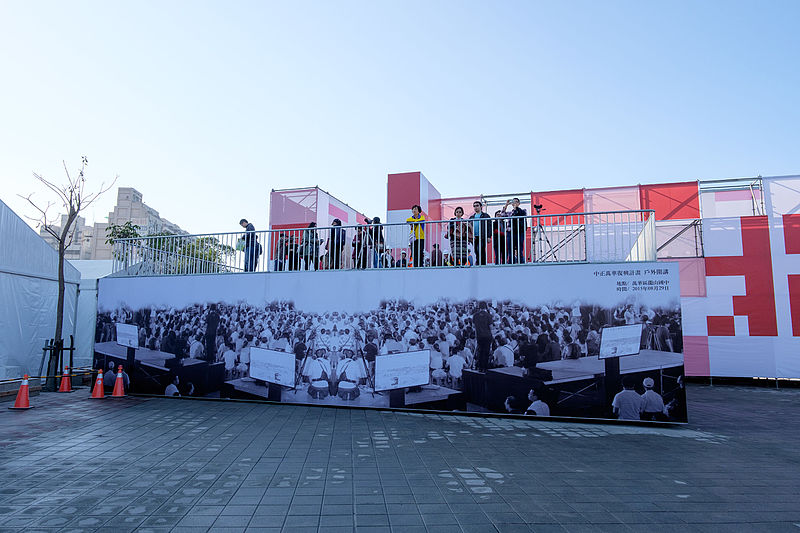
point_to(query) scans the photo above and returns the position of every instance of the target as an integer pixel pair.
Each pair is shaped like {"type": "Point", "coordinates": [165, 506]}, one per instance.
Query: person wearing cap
{"type": "Point", "coordinates": [653, 407]}
{"type": "Point", "coordinates": [628, 403]}
{"type": "Point", "coordinates": [403, 261]}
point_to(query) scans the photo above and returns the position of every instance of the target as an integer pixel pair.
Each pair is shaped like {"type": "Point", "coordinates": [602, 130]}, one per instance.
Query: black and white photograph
{"type": "Point", "coordinates": [532, 350]}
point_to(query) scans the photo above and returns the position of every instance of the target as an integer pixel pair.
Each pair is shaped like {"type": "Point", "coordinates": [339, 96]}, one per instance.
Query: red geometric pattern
{"type": "Point", "coordinates": [791, 233]}
{"type": "Point", "coordinates": [721, 326]}
{"type": "Point", "coordinates": [791, 239]}
{"type": "Point", "coordinates": [794, 303]}
{"type": "Point", "coordinates": [755, 264]}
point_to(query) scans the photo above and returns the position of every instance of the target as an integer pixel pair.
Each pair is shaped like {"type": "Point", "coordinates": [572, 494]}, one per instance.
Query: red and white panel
{"type": "Point", "coordinates": [748, 324]}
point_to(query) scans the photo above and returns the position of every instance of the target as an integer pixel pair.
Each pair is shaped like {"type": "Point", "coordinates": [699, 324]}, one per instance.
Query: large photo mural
{"type": "Point", "coordinates": [515, 340]}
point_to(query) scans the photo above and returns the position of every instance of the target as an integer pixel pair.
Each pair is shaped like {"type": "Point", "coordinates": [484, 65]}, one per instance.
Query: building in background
{"type": "Point", "coordinates": [89, 242]}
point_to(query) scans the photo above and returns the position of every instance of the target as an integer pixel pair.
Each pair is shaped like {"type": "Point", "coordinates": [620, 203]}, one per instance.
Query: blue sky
{"type": "Point", "coordinates": [205, 107]}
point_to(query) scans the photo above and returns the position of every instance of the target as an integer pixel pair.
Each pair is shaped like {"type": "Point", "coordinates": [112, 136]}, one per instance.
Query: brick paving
{"type": "Point", "coordinates": [72, 464]}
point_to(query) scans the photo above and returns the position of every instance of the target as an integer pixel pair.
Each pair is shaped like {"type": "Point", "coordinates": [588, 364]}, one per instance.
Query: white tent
{"type": "Point", "coordinates": [28, 296]}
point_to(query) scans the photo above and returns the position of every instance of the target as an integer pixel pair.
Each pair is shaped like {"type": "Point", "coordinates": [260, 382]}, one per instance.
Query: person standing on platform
{"type": "Point", "coordinates": [460, 234]}
{"type": "Point", "coordinates": [251, 246]}
{"type": "Point", "coordinates": [482, 322]}
{"type": "Point", "coordinates": [517, 226]}
{"type": "Point", "coordinates": [336, 242]}
{"type": "Point", "coordinates": [361, 248]}
{"type": "Point", "coordinates": [417, 238]}
{"type": "Point", "coordinates": [212, 322]}
{"type": "Point", "coordinates": [627, 403]}
{"type": "Point", "coordinates": [376, 241]}
{"type": "Point", "coordinates": [437, 257]}
{"type": "Point", "coordinates": [480, 232]}
{"type": "Point", "coordinates": [499, 238]}
{"type": "Point", "coordinates": [309, 247]}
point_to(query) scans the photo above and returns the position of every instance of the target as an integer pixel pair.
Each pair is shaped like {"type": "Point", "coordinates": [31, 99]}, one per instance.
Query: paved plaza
{"type": "Point", "coordinates": [72, 464]}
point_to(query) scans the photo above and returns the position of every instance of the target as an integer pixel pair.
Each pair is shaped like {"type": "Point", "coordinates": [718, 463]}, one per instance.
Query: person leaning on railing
{"type": "Point", "coordinates": [417, 236]}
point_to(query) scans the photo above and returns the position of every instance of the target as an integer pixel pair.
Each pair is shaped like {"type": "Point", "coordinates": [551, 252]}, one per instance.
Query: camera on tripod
{"type": "Point", "coordinates": [538, 208]}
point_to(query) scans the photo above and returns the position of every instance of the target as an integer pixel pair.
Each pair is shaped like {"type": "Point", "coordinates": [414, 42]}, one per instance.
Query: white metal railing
{"type": "Point", "coordinates": [614, 236]}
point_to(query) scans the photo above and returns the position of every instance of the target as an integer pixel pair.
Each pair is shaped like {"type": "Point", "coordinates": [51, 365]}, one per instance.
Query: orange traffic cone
{"type": "Point", "coordinates": [97, 392]}
{"type": "Point", "coordinates": [66, 381]}
{"type": "Point", "coordinates": [22, 402]}
{"type": "Point", "coordinates": [119, 385]}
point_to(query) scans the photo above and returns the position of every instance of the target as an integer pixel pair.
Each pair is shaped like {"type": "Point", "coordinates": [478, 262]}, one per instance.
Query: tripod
{"type": "Point", "coordinates": [542, 247]}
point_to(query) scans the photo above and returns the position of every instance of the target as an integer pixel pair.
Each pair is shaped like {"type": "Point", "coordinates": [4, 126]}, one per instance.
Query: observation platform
{"type": "Point", "coordinates": [597, 237]}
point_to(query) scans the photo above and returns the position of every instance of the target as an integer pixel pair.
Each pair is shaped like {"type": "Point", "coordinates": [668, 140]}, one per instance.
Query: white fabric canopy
{"type": "Point", "coordinates": [28, 295]}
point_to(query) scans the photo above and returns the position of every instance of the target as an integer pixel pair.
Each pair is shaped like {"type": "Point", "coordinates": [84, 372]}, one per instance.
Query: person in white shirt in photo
{"type": "Point", "coordinates": [537, 406]}
{"type": "Point", "coordinates": [653, 404]}
{"type": "Point", "coordinates": [628, 403]}
{"type": "Point", "coordinates": [503, 355]}
{"type": "Point", "coordinates": [172, 388]}
{"type": "Point", "coordinates": [197, 348]}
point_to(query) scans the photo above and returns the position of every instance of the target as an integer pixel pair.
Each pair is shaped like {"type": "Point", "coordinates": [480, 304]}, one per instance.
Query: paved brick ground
{"type": "Point", "coordinates": [170, 465]}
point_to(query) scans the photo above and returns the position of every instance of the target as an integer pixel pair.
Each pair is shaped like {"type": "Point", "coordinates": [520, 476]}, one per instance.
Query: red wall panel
{"type": "Point", "coordinates": [671, 201]}
{"type": "Point", "coordinates": [403, 190]}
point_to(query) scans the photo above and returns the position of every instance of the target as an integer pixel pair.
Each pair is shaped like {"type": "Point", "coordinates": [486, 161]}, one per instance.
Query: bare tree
{"type": "Point", "coordinates": [74, 199]}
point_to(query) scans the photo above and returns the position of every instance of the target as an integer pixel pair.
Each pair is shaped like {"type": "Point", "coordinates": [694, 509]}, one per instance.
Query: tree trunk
{"type": "Point", "coordinates": [58, 343]}
{"type": "Point", "coordinates": [52, 366]}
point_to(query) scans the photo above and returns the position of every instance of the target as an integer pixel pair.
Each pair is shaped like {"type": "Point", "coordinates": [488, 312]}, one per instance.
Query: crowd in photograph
{"type": "Point", "coordinates": [478, 239]}
{"type": "Point", "coordinates": [470, 334]}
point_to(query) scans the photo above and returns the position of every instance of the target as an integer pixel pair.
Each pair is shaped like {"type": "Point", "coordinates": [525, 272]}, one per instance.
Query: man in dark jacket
{"type": "Point", "coordinates": [482, 322]}
{"type": "Point", "coordinates": [251, 246]}
{"type": "Point", "coordinates": [480, 231]}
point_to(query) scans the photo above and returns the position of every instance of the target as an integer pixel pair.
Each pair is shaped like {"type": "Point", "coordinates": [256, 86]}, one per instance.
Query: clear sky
{"type": "Point", "coordinates": [205, 107]}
